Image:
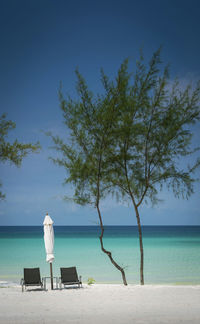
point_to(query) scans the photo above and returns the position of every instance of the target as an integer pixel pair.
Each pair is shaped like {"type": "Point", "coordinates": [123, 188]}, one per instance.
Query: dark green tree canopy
{"type": "Point", "coordinates": [83, 154]}
{"type": "Point", "coordinates": [153, 131]}
{"type": "Point", "coordinates": [12, 152]}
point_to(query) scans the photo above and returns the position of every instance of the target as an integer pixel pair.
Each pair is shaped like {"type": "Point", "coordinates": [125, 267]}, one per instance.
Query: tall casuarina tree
{"type": "Point", "coordinates": [151, 134]}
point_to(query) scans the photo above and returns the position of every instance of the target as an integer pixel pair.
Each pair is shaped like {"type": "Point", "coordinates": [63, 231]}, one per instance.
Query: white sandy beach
{"type": "Point", "coordinates": [102, 303]}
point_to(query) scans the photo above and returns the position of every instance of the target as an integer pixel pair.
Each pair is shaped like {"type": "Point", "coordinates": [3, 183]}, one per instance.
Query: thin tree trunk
{"type": "Point", "coordinates": [109, 254]}
{"type": "Point", "coordinates": [138, 219]}
{"type": "Point", "coordinates": [141, 246]}
{"type": "Point", "coordinates": [140, 239]}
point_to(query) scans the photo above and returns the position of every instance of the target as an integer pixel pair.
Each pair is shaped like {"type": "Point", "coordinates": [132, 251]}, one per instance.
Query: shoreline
{"type": "Point", "coordinates": [102, 303]}
{"type": "Point", "coordinates": [10, 284]}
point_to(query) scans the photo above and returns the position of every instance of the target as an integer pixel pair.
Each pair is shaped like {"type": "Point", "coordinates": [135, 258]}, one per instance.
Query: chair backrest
{"type": "Point", "coordinates": [32, 275]}
{"type": "Point", "coordinates": [69, 274]}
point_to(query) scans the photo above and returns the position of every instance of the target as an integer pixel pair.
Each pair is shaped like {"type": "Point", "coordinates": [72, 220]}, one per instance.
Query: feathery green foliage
{"type": "Point", "coordinates": [152, 133]}
{"type": "Point", "coordinates": [15, 152]}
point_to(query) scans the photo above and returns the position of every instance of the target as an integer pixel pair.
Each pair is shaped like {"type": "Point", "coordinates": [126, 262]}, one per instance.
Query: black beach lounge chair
{"type": "Point", "coordinates": [32, 278]}
{"type": "Point", "coordinates": [69, 277]}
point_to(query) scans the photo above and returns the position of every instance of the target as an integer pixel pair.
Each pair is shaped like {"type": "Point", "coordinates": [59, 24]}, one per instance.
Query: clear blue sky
{"type": "Point", "coordinates": [42, 42]}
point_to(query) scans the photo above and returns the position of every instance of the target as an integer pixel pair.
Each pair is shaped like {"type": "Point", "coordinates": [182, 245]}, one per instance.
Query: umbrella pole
{"type": "Point", "coordinates": [51, 275]}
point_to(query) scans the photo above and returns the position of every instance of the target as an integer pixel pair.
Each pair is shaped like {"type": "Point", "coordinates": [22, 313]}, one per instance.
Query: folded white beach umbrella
{"type": "Point", "coordinates": [49, 243]}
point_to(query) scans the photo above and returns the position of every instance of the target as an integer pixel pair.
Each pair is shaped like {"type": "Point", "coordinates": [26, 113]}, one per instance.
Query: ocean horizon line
{"type": "Point", "coordinates": [179, 225]}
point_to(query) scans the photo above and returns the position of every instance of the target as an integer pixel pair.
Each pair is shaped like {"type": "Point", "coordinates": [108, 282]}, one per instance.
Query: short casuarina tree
{"type": "Point", "coordinates": [89, 122]}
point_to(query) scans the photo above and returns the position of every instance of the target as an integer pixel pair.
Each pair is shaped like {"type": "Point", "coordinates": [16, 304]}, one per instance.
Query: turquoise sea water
{"type": "Point", "coordinates": [172, 253]}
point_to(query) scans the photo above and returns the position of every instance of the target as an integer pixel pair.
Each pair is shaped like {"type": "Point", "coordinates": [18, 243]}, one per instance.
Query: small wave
{"type": "Point", "coordinates": [7, 284]}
